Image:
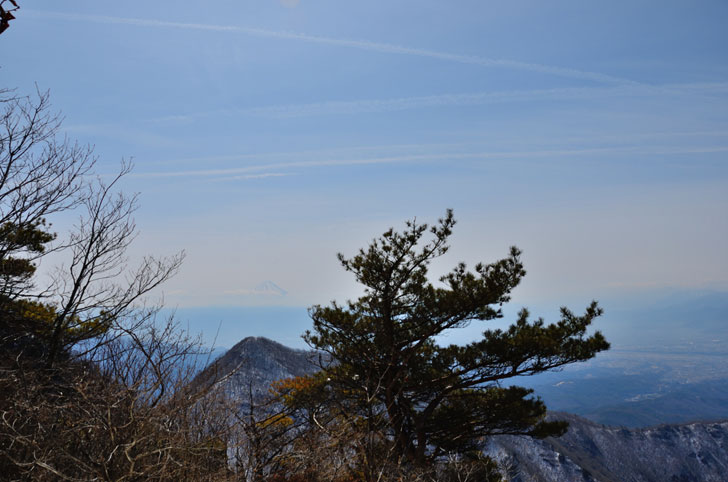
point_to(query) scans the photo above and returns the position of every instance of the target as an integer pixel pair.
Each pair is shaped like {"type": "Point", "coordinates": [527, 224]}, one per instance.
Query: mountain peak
{"type": "Point", "coordinates": [255, 362]}
{"type": "Point", "coordinates": [270, 288]}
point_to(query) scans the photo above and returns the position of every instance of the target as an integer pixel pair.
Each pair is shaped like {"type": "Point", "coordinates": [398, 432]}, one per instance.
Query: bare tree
{"type": "Point", "coordinates": [94, 386]}
{"type": "Point", "coordinates": [40, 175]}
{"type": "Point", "coordinates": [96, 292]}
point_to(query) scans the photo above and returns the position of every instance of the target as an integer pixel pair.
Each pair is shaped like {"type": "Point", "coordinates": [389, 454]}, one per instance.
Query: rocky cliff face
{"type": "Point", "coordinates": [593, 452]}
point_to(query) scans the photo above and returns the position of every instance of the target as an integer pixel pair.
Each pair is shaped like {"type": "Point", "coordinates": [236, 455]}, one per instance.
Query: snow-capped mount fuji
{"type": "Point", "coordinates": [269, 288]}
{"type": "Point", "coordinates": [266, 289]}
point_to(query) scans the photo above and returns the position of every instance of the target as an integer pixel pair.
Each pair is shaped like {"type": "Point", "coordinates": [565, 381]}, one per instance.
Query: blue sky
{"type": "Point", "coordinates": [269, 135]}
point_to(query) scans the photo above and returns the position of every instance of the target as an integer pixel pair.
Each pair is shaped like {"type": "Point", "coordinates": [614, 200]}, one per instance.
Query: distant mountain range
{"type": "Point", "coordinates": [588, 452]}
{"type": "Point", "coordinates": [592, 452]}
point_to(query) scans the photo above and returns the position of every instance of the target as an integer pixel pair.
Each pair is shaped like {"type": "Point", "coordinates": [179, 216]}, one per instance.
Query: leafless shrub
{"type": "Point", "coordinates": [126, 415]}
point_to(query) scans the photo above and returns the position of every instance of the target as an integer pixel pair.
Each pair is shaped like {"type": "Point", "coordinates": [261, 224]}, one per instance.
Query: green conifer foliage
{"type": "Point", "coordinates": [427, 400]}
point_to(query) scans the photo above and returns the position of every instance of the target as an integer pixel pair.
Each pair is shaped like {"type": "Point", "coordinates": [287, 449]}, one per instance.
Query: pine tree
{"type": "Point", "coordinates": [426, 401]}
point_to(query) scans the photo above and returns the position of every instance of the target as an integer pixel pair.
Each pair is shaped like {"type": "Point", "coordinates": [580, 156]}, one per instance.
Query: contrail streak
{"type": "Point", "coordinates": [448, 100]}
{"type": "Point", "coordinates": [423, 158]}
{"type": "Point", "coordinates": [357, 44]}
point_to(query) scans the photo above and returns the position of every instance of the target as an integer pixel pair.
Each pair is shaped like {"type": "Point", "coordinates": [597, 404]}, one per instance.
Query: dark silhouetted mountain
{"type": "Point", "coordinates": [255, 363]}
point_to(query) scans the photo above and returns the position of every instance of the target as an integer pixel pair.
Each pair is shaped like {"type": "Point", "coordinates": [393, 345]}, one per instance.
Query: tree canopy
{"type": "Point", "coordinates": [424, 400]}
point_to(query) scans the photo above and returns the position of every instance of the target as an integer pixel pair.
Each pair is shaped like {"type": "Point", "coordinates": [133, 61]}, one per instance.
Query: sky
{"type": "Point", "coordinates": [269, 135]}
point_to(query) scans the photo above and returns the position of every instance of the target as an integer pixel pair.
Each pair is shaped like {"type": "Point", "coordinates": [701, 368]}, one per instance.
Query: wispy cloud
{"type": "Point", "coordinates": [241, 172]}
{"type": "Point", "coordinates": [406, 103]}
{"type": "Point", "coordinates": [238, 171]}
{"type": "Point", "coordinates": [359, 106]}
{"type": "Point", "coordinates": [248, 177]}
{"type": "Point", "coordinates": [479, 98]}
{"type": "Point", "coordinates": [387, 150]}
{"type": "Point", "coordinates": [341, 42]}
